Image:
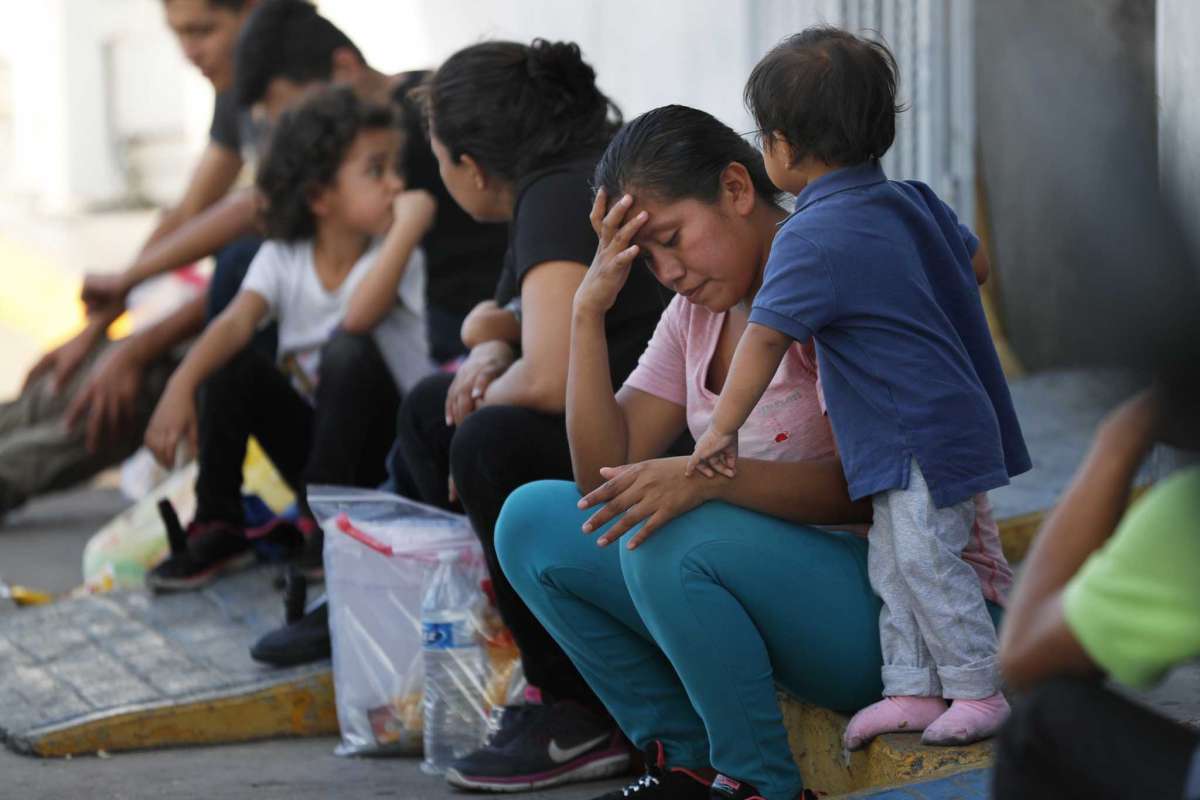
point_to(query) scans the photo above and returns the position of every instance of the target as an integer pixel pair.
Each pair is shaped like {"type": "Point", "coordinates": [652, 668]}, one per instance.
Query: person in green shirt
{"type": "Point", "coordinates": [1111, 592]}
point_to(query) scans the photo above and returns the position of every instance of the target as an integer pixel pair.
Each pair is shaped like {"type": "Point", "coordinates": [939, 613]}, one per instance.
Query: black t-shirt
{"type": "Point", "coordinates": [550, 223]}
{"type": "Point", "coordinates": [226, 125]}
{"type": "Point", "coordinates": [235, 129]}
{"type": "Point", "coordinates": [463, 257]}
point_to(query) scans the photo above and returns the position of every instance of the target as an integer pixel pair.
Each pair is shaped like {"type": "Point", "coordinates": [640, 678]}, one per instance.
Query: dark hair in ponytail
{"type": "Point", "coordinates": [514, 107]}
{"type": "Point", "coordinates": [676, 152]}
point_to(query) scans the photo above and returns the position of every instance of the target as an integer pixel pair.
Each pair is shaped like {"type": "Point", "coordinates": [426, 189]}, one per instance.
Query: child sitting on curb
{"type": "Point", "coordinates": [327, 413]}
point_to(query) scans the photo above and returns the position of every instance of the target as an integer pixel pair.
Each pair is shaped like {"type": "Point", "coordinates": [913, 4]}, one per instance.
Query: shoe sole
{"type": "Point", "coordinates": [605, 764]}
{"type": "Point", "coordinates": [201, 579]}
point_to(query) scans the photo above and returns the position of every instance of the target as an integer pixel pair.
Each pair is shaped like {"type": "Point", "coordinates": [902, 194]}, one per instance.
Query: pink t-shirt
{"type": "Point", "coordinates": [788, 424]}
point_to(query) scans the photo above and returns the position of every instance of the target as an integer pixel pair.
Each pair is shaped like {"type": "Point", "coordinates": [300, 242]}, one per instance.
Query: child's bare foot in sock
{"type": "Point", "coordinates": [968, 721]}
{"type": "Point", "coordinates": [892, 715]}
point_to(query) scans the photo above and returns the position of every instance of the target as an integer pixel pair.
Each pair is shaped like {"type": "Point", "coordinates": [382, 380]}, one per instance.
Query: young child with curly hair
{"type": "Point", "coordinates": [331, 190]}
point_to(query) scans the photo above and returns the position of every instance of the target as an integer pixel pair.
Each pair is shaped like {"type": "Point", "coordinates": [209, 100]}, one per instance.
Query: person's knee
{"type": "Point", "coordinates": [653, 564]}
{"type": "Point", "coordinates": [347, 356]}
{"type": "Point", "coordinates": [527, 531]}
{"type": "Point", "coordinates": [482, 447]}
{"type": "Point", "coordinates": [238, 371]}
{"type": "Point", "coordinates": [423, 405]}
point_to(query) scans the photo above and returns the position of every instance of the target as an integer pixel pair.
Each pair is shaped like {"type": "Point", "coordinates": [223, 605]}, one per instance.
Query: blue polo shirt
{"type": "Point", "coordinates": [879, 273]}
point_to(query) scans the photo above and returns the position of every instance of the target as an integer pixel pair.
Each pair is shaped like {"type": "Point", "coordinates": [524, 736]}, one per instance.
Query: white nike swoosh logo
{"type": "Point", "coordinates": [560, 756]}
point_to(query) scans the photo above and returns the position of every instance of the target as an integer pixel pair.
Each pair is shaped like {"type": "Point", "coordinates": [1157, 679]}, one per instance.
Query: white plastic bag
{"type": "Point", "coordinates": [381, 551]}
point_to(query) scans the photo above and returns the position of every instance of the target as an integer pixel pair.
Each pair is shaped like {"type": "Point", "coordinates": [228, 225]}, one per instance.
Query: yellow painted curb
{"type": "Point", "coordinates": [304, 707]}
{"type": "Point", "coordinates": [815, 735]}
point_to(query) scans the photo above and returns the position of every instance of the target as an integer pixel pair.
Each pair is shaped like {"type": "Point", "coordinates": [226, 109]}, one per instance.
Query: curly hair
{"type": "Point", "coordinates": [306, 148]}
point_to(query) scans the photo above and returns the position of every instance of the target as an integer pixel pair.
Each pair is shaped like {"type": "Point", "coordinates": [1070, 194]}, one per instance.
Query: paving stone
{"type": "Point", "coordinates": [106, 655]}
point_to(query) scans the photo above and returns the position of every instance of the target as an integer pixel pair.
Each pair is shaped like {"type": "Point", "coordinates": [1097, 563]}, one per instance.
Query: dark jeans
{"type": "Point", "coordinates": [496, 450]}
{"type": "Point", "coordinates": [1071, 738]}
{"type": "Point", "coordinates": [343, 440]}
{"type": "Point", "coordinates": [444, 329]}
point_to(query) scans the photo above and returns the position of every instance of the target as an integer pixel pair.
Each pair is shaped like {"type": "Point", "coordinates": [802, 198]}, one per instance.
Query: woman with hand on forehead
{"type": "Point", "coordinates": [703, 593]}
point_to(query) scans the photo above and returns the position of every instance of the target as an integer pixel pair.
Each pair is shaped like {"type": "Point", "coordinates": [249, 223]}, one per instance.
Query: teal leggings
{"type": "Point", "coordinates": [685, 638]}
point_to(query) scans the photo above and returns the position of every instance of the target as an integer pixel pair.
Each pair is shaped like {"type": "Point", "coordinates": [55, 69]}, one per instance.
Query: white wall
{"type": "Point", "coordinates": [1178, 24]}
{"type": "Point", "coordinates": [646, 53]}
{"type": "Point", "coordinates": [89, 79]}
{"type": "Point", "coordinates": [104, 106]}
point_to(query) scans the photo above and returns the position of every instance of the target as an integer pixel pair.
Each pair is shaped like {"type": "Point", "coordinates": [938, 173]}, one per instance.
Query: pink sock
{"type": "Point", "coordinates": [892, 715]}
{"type": "Point", "coordinates": [968, 721]}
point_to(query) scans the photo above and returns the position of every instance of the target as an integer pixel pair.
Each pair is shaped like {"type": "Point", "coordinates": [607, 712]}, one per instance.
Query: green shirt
{"type": "Point", "coordinates": [1135, 604]}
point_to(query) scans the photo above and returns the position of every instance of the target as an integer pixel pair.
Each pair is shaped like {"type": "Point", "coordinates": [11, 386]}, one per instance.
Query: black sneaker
{"type": "Point", "coordinates": [504, 723]}
{"type": "Point", "coordinates": [299, 642]}
{"type": "Point", "coordinates": [544, 745]}
{"type": "Point", "coordinates": [726, 788]}
{"type": "Point", "coordinates": [662, 782]}
{"type": "Point", "coordinates": [199, 555]}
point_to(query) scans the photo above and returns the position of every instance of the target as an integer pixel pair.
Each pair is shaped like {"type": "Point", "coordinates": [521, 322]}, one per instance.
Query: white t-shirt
{"type": "Point", "coordinates": [285, 276]}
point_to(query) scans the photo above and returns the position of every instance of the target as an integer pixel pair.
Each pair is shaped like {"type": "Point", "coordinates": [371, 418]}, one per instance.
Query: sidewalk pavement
{"type": "Point", "coordinates": [41, 547]}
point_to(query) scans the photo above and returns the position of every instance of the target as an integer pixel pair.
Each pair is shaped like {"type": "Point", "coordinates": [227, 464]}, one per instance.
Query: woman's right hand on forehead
{"type": "Point", "coordinates": [614, 255]}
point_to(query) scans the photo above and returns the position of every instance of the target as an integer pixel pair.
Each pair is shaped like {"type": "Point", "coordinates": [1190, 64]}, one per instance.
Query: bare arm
{"type": "Point", "coordinates": [981, 265]}
{"type": "Point", "coordinates": [198, 237]}
{"type": "Point", "coordinates": [606, 430]}
{"type": "Point", "coordinates": [173, 329]}
{"type": "Point", "coordinates": [108, 398]}
{"type": "Point", "coordinates": [1036, 642]}
{"type": "Point", "coordinates": [812, 492]}
{"type": "Point", "coordinates": [488, 322]}
{"type": "Point", "coordinates": [376, 295]}
{"type": "Point", "coordinates": [175, 417]}
{"type": "Point", "coordinates": [211, 180]}
{"type": "Point", "coordinates": [538, 379]}
{"type": "Point", "coordinates": [228, 334]}
{"type": "Point", "coordinates": [755, 362]}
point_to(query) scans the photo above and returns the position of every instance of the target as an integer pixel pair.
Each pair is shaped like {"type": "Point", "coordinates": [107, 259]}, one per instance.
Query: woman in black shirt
{"type": "Point", "coordinates": [517, 130]}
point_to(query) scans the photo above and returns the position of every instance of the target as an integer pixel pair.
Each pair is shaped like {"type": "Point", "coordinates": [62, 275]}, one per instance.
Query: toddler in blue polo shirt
{"type": "Point", "coordinates": [885, 279]}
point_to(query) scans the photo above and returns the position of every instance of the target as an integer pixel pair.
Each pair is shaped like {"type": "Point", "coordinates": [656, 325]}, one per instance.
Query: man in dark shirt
{"type": "Point", "coordinates": [107, 389]}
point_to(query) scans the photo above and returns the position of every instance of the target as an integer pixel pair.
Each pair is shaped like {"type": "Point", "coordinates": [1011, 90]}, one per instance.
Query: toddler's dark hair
{"type": "Point", "coordinates": [515, 107]}
{"type": "Point", "coordinates": [307, 146]}
{"type": "Point", "coordinates": [676, 152]}
{"type": "Point", "coordinates": [829, 93]}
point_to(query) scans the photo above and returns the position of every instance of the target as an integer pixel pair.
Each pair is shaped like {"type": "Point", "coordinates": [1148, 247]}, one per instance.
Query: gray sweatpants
{"type": "Point", "coordinates": [39, 454]}
{"type": "Point", "coordinates": [937, 637]}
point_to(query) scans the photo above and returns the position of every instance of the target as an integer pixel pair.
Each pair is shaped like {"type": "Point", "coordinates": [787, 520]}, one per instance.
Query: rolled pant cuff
{"type": "Point", "coordinates": [901, 681]}
{"type": "Point", "coordinates": [973, 682]}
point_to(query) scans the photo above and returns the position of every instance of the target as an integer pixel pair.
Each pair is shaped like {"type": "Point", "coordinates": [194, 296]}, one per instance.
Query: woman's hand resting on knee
{"type": "Point", "coordinates": [485, 363]}
{"type": "Point", "coordinates": [654, 492]}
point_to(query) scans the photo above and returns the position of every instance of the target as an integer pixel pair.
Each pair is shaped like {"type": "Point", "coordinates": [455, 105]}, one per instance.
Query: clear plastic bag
{"type": "Point", "coordinates": [382, 553]}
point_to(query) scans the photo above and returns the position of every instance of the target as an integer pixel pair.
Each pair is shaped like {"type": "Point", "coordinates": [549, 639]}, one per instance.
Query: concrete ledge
{"type": "Point", "coordinates": [304, 707]}
{"type": "Point", "coordinates": [971, 784]}
{"type": "Point", "coordinates": [815, 735]}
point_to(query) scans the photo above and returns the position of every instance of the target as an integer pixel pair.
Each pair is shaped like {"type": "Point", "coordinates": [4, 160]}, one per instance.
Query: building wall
{"type": "Point", "coordinates": [1065, 105]}
{"type": "Point", "coordinates": [104, 108]}
{"type": "Point", "coordinates": [1179, 109]}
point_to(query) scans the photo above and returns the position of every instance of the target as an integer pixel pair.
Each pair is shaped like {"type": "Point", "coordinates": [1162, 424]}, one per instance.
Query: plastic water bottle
{"type": "Point", "coordinates": [455, 715]}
